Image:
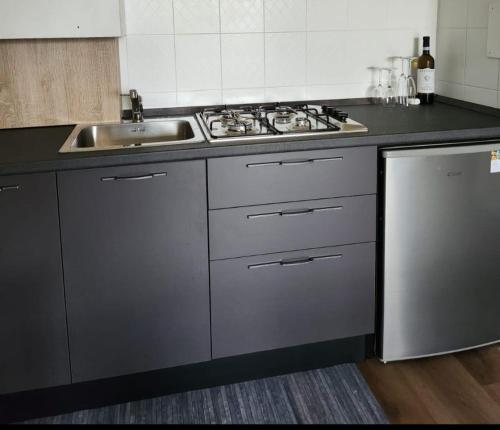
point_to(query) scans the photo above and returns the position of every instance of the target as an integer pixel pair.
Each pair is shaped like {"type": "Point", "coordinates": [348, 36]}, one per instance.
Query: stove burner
{"type": "Point", "coordinates": [284, 115]}
{"type": "Point", "coordinates": [302, 123]}
{"type": "Point", "coordinates": [239, 125]}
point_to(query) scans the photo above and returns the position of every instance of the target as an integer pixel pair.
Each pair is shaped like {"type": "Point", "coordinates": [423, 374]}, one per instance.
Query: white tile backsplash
{"type": "Point", "coordinates": [480, 71]}
{"type": "Point", "coordinates": [481, 96]}
{"type": "Point", "coordinates": [478, 13]}
{"type": "Point", "coordinates": [149, 16]}
{"type": "Point", "coordinates": [285, 15]}
{"type": "Point", "coordinates": [452, 13]}
{"type": "Point", "coordinates": [193, 52]}
{"type": "Point", "coordinates": [285, 59]}
{"type": "Point", "coordinates": [196, 16]}
{"type": "Point", "coordinates": [151, 63]}
{"type": "Point", "coordinates": [368, 14]}
{"type": "Point", "coordinates": [199, 98]}
{"type": "Point", "coordinates": [242, 16]}
{"type": "Point", "coordinates": [242, 60]}
{"type": "Point", "coordinates": [198, 62]}
{"type": "Point", "coordinates": [328, 58]}
{"type": "Point", "coordinates": [464, 70]}
{"type": "Point", "coordinates": [324, 15]}
{"type": "Point", "coordinates": [450, 60]}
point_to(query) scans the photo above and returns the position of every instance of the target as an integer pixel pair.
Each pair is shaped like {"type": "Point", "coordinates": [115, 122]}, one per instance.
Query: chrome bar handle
{"type": "Point", "coordinates": [296, 261]}
{"type": "Point", "coordinates": [134, 178]}
{"type": "Point", "coordinates": [295, 212]}
{"type": "Point", "coordinates": [10, 188]}
{"type": "Point", "coordinates": [299, 162]}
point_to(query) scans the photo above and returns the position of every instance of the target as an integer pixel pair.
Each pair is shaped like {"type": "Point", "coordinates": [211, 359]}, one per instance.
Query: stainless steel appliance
{"type": "Point", "coordinates": [274, 121]}
{"type": "Point", "coordinates": [441, 239]}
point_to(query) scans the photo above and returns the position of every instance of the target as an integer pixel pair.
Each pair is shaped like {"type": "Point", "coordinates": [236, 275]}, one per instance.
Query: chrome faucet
{"type": "Point", "coordinates": [137, 109]}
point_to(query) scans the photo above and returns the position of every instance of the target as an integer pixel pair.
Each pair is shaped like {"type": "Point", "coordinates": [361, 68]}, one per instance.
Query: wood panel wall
{"type": "Point", "coordinates": [58, 81]}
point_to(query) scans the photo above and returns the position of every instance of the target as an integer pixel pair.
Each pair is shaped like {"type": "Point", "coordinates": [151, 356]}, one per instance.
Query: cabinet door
{"type": "Point", "coordinates": [32, 314]}
{"type": "Point", "coordinates": [136, 267]}
{"type": "Point", "coordinates": [280, 300]}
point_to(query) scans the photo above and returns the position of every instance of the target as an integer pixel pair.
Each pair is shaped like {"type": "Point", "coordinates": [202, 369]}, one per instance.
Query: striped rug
{"type": "Point", "coordinates": [334, 395]}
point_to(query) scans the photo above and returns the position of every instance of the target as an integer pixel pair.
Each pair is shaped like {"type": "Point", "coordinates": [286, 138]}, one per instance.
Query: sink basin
{"type": "Point", "coordinates": [133, 135]}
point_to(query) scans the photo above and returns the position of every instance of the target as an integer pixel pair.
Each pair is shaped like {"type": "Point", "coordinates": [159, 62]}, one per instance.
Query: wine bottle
{"type": "Point", "coordinates": [426, 75]}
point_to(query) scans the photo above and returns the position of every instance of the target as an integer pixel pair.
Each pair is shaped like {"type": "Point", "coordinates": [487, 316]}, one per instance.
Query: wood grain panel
{"type": "Point", "coordinates": [461, 388]}
{"type": "Point", "coordinates": [58, 81]}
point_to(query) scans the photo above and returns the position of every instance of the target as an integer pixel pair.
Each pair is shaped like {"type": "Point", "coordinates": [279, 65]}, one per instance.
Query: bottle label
{"type": "Point", "coordinates": [426, 81]}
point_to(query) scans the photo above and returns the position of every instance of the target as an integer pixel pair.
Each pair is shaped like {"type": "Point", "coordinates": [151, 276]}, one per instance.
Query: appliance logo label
{"type": "Point", "coordinates": [495, 161]}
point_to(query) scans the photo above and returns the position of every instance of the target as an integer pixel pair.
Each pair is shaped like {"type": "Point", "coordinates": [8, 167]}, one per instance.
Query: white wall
{"type": "Point", "coordinates": [463, 69]}
{"type": "Point", "coordinates": [195, 52]}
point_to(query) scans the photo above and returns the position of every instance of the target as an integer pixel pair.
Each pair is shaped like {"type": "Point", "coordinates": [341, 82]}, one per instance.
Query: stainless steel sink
{"type": "Point", "coordinates": [95, 137]}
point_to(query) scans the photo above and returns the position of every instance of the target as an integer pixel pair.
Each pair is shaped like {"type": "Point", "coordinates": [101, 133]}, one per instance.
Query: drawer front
{"type": "Point", "coordinates": [287, 177]}
{"type": "Point", "coordinates": [281, 300]}
{"type": "Point", "coordinates": [266, 229]}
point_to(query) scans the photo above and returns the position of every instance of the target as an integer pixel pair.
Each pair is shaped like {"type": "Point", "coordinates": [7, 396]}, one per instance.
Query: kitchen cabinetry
{"type": "Point", "coordinates": [33, 19]}
{"type": "Point", "coordinates": [292, 241]}
{"type": "Point", "coordinates": [136, 267]}
{"type": "Point", "coordinates": [32, 311]}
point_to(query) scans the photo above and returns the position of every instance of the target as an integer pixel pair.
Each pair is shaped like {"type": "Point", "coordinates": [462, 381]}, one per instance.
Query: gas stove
{"type": "Point", "coordinates": [275, 121]}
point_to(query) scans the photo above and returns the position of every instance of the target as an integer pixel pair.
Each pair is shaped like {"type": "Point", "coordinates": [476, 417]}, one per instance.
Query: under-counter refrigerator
{"type": "Point", "coordinates": [440, 275]}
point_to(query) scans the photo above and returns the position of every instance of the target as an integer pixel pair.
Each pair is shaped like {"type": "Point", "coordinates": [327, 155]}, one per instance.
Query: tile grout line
{"type": "Point", "coordinates": [175, 56]}
{"type": "Point", "coordinates": [221, 94]}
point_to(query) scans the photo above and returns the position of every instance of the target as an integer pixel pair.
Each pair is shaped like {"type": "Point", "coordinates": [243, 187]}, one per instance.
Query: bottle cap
{"type": "Point", "coordinates": [427, 41]}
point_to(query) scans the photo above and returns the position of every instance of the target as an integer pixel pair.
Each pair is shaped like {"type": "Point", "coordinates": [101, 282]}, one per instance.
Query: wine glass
{"type": "Point", "coordinates": [390, 97]}
{"type": "Point", "coordinates": [402, 84]}
{"type": "Point", "coordinates": [379, 92]}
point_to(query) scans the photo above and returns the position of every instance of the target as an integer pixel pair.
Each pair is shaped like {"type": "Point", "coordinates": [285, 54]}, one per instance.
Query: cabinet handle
{"type": "Point", "coordinates": [295, 261]}
{"type": "Point", "coordinates": [294, 212]}
{"type": "Point", "coordinates": [294, 162]}
{"type": "Point", "coordinates": [10, 188]}
{"type": "Point", "coordinates": [134, 178]}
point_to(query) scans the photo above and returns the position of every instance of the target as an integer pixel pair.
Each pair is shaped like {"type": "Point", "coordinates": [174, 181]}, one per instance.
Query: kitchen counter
{"type": "Point", "coordinates": [36, 149]}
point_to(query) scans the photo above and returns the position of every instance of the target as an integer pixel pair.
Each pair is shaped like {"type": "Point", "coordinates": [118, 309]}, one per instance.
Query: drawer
{"type": "Point", "coordinates": [266, 229]}
{"type": "Point", "coordinates": [292, 176]}
{"type": "Point", "coordinates": [280, 300]}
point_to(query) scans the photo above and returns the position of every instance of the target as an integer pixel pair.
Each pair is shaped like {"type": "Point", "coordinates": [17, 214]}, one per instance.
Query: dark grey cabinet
{"type": "Point", "coordinates": [291, 176]}
{"type": "Point", "coordinates": [32, 311]}
{"type": "Point", "coordinates": [254, 230]}
{"type": "Point", "coordinates": [136, 267]}
{"type": "Point", "coordinates": [280, 300]}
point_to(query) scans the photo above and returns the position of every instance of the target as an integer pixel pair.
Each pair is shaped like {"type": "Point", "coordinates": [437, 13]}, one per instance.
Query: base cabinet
{"type": "Point", "coordinates": [136, 267]}
{"type": "Point", "coordinates": [32, 311]}
{"type": "Point", "coordinates": [280, 300]}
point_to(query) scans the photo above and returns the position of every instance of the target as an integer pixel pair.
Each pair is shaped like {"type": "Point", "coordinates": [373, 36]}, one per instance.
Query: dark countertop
{"type": "Point", "coordinates": [36, 149]}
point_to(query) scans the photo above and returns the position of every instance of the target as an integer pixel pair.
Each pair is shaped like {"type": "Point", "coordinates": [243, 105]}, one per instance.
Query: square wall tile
{"type": "Point", "coordinates": [242, 16]}
{"type": "Point", "coordinates": [452, 13]}
{"type": "Point", "coordinates": [199, 98]}
{"type": "Point", "coordinates": [323, 15]}
{"type": "Point", "coordinates": [285, 59]}
{"type": "Point", "coordinates": [151, 63]}
{"type": "Point", "coordinates": [285, 94]}
{"type": "Point", "coordinates": [149, 17]}
{"type": "Point", "coordinates": [371, 51]}
{"type": "Point", "coordinates": [198, 62]}
{"type": "Point", "coordinates": [285, 15]}
{"type": "Point", "coordinates": [449, 89]}
{"type": "Point", "coordinates": [245, 95]}
{"type": "Point", "coordinates": [450, 59]}
{"type": "Point", "coordinates": [326, 57]}
{"type": "Point", "coordinates": [242, 60]}
{"type": "Point", "coordinates": [196, 16]}
{"type": "Point", "coordinates": [478, 12]}
{"type": "Point", "coordinates": [480, 71]}
{"type": "Point", "coordinates": [368, 14]}
{"type": "Point", "coordinates": [342, 91]}
{"type": "Point", "coordinates": [411, 14]}
{"type": "Point", "coordinates": [481, 96]}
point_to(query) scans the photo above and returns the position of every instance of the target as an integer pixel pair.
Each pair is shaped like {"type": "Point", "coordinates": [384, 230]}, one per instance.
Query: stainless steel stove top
{"type": "Point", "coordinates": [274, 121]}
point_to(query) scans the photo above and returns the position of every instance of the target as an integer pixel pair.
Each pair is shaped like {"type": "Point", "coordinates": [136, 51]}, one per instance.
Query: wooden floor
{"type": "Point", "coordinates": [462, 388]}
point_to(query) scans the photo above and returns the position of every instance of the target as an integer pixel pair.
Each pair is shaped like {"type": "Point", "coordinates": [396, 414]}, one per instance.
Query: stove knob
{"type": "Point", "coordinates": [341, 116]}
